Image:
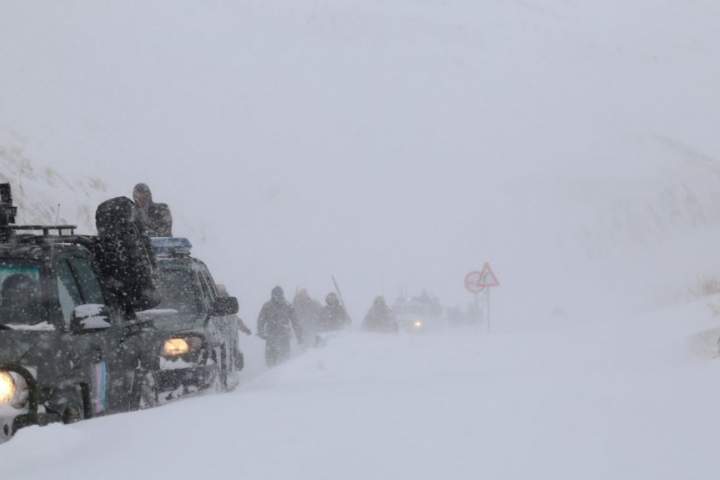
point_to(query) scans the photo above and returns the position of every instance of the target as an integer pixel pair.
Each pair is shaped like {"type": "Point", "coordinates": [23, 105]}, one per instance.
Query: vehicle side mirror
{"type": "Point", "coordinates": [89, 318]}
{"type": "Point", "coordinates": [226, 306]}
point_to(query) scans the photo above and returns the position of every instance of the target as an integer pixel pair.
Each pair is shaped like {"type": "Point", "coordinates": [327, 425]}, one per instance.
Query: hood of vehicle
{"type": "Point", "coordinates": [171, 320]}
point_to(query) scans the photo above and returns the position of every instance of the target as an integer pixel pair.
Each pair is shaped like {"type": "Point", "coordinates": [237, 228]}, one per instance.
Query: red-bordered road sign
{"type": "Point", "coordinates": [476, 282]}
{"type": "Point", "coordinates": [473, 282]}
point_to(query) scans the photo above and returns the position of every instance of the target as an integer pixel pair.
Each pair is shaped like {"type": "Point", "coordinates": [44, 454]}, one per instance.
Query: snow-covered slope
{"type": "Point", "coordinates": [62, 193]}
{"type": "Point", "coordinates": [45, 195]}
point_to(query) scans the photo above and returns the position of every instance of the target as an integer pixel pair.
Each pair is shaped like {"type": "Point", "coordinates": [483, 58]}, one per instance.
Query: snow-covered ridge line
{"type": "Point", "coordinates": [44, 195]}
{"type": "Point", "coordinates": [681, 200]}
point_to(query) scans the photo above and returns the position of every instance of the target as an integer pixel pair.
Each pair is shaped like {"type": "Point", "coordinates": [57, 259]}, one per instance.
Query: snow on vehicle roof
{"type": "Point", "coordinates": [171, 246]}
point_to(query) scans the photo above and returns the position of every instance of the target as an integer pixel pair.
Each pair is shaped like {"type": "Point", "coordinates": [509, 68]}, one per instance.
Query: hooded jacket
{"type": "Point", "coordinates": [156, 217]}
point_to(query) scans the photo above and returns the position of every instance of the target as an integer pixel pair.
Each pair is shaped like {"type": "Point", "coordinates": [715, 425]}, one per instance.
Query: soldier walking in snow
{"type": "Point", "coordinates": [156, 217]}
{"type": "Point", "coordinates": [276, 324]}
{"type": "Point", "coordinates": [333, 316]}
{"type": "Point", "coordinates": [308, 312]}
{"type": "Point", "coordinates": [380, 318]}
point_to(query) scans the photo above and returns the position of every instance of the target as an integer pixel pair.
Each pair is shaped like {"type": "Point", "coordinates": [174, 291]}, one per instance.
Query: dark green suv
{"type": "Point", "coordinates": [65, 352]}
{"type": "Point", "coordinates": [200, 322]}
{"type": "Point", "coordinates": [71, 346]}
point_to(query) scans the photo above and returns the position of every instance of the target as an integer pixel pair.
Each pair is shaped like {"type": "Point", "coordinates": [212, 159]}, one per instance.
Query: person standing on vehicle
{"type": "Point", "coordinates": [308, 312]}
{"type": "Point", "coordinates": [156, 217]}
{"type": "Point", "coordinates": [333, 316]}
{"type": "Point", "coordinates": [276, 324]}
{"type": "Point", "coordinates": [380, 318]}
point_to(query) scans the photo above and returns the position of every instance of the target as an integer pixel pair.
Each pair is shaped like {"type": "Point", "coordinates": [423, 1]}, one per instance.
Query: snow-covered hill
{"type": "Point", "coordinates": [52, 192]}
{"type": "Point", "coordinates": [44, 194]}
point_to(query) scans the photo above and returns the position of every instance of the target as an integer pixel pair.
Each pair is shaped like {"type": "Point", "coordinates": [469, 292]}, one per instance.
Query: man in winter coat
{"type": "Point", "coordinates": [308, 312]}
{"type": "Point", "coordinates": [333, 316]}
{"type": "Point", "coordinates": [380, 318]}
{"type": "Point", "coordinates": [276, 324]}
{"type": "Point", "coordinates": [156, 217]}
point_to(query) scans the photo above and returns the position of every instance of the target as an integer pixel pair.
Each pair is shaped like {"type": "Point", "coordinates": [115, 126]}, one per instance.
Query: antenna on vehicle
{"type": "Point", "coordinates": [57, 213]}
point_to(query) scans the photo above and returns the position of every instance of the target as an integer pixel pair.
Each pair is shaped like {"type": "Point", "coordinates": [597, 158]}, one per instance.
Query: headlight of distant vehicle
{"type": "Point", "coordinates": [13, 389]}
{"type": "Point", "coordinates": [177, 347]}
{"type": "Point", "coordinates": [418, 324]}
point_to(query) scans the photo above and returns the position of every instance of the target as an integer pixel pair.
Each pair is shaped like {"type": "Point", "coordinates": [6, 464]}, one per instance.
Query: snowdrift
{"type": "Point", "coordinates": [624, 400]}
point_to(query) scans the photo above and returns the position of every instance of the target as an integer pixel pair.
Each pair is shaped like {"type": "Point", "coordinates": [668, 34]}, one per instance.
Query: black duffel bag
{"type": "Point", "coordinates": [124, 256]}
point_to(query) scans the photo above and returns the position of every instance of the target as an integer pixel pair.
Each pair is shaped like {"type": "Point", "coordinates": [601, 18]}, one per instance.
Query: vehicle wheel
{"type": "Point", "coordinates": [74, 410]}
{"type": "Point", "coordinates": [221, 376]}
{"type": "Point", "coordinates": [72, 414]}
{"type": "Point", "coordinates": [7, 430]}
{"type": "Point", "coordinates": [147, 393]}
{"type": "Point", "coordinates": [234, 364]}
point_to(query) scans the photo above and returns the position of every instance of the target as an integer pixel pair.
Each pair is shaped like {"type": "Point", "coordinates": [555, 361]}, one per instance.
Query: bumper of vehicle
{"type": "Point", "coordinates": [191, 378]}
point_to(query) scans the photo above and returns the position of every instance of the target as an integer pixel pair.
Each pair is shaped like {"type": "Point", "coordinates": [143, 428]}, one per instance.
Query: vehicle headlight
{"type": "Point", "coordinates": [174, 347]}
{"type": "Point", "coordinates": [8, 388]}
{"type": "Point", "coordinates": [14, 389]}
{"type": "Point", "coordinates": [418, 324]}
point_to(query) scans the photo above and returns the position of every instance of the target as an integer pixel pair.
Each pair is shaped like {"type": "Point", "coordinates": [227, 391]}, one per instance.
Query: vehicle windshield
{"type": "Point", "coordinates": [20, 300]}
{"type": "Point", "coordinates": [177, 290]}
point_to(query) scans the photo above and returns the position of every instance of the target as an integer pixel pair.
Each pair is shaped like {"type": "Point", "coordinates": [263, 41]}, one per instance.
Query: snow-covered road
{"type": "Point", "coordinates": [631, 399]}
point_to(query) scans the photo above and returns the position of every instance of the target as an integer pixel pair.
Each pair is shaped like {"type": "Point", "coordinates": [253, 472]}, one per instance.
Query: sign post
{"type": "Point", "coordinates": [474, 285]}
{"type": "Point", "coordinates": [479, 281]}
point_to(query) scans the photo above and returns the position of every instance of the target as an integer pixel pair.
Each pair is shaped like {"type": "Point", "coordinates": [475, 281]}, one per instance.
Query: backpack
{"type": "Point", "coordinates": [160, 220]}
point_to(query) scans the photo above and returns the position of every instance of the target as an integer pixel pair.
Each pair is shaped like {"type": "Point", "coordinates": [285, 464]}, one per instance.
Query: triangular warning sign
{"type": "Point", "coordinates": [488, 277]}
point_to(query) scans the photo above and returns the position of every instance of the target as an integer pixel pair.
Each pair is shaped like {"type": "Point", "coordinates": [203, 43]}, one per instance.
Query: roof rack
{"type": "Point", "coordinates": [8, 212]}
{"type": "Point", "coordinates": [45, 229]}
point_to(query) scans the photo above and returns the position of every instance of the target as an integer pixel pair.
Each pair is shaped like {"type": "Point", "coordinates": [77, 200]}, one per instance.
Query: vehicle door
{"type": "Point", "coordinates": [130, 346]}
{"type": "Point", "coordinates": [207, 286]}
{"type": "Point", "coordinates": [224, 326]}
{"type": "Point", "coordinates": [207, 299]}
{"type": "Point", "coordinates": [230, 322]}
{"type": "Point", "coordinates": [88, 328]}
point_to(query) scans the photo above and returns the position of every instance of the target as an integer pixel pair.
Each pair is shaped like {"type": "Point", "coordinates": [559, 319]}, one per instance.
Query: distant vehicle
{"type": "Point", "coordinates": [200, 322]}
{"type": "Point", "coordinates": [67, 351]}
{"type": "Point", "coordinates": [418, 314]}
